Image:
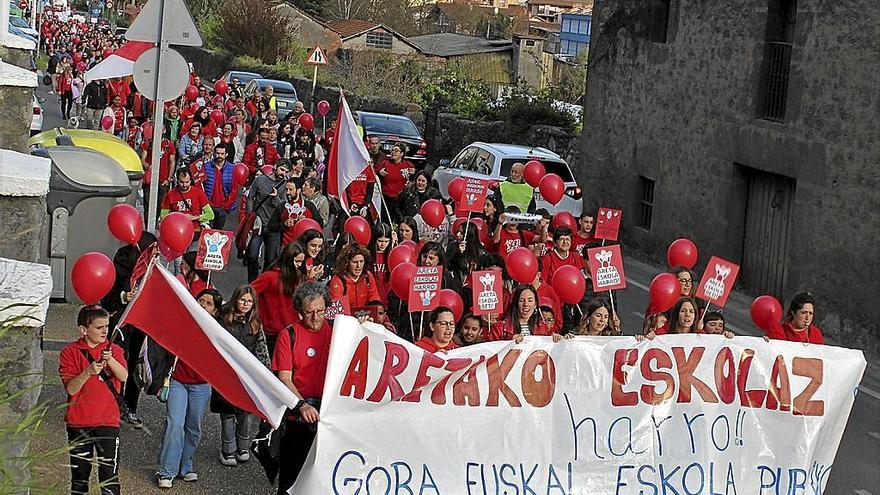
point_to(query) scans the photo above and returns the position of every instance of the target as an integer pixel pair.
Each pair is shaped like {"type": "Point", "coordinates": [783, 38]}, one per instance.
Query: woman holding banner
{"type": "Point", "coordinates": [442, 324]}
{"type": "Point", "coordinates": [598, 320]}
{"type": "Point", "coordinates": [682, 318]}
{"type": "Point", "coordinates": [523, 318]}
{"type": "Point", "coordinates": [798, 325]}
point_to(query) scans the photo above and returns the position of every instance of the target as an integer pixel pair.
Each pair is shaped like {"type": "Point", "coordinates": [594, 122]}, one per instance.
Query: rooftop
{"type": "Point", "coordinates": [451, 44]}
{"type": "Point", "coordinates": [351, 27]}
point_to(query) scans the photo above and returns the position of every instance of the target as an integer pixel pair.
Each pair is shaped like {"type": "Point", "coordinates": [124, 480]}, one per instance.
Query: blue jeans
{"type": "Point", "coordinates": [270, 242]}
{"type": "Point", "coordinates": [183, 427]}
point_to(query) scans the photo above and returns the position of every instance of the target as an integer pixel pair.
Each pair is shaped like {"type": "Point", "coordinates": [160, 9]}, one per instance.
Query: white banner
{"type": "Point", "coordinates": [680, 415]}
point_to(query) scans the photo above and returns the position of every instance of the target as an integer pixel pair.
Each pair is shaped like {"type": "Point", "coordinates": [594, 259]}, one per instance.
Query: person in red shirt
{"type": "Point", "coordinates": [682, 318]}
{"type": "Point", "coordinates": [798, 326]}
{"type": "Point", "coordinates": [285, 217]}
{"type": "Point", "coordinates": [300, 359]}
{"type": "Point", "coordinates": [188, 200]}
{"type": "Point", "coordinates": [523, 318]}
{"type": "Point", "coordinates": [584, 234]}
{"type": "Point", "coordinates": [508, 236]}
{"type": "Point", "coordinates": [92, 370]}
{"type": "Point", "coordinates": [547, 294]}
{"type": "Point", "coordinates": [442, 324]}
{"type": "Point", "coordinates": [220, 185]}
{"type": "Point", "coordinates": [360, 194]}
{"type": "Point", "coordinates": [394, 174]}
{"type": "Point", "coordinates": [351, 277]}
{"type": "Point", "coordinates": [260, 152]}
{"type": "Point", "coordinates": [380, 248]}
{"type": "Point", "coordinates": [188, 399]}
{"type": "Point", "coordinates": [560, 256]}
{"type": "Point", "coordinates": [275, 288]}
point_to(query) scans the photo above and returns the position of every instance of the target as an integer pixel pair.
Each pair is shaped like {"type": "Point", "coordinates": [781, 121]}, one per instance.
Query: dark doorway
{"type": "Point", "coordinates": [769, 205]}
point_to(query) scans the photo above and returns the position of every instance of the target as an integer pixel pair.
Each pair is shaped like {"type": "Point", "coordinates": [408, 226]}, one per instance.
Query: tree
{"type": "Point", "coordinates": [251, 27]}
{"type": "Point", "coordinates": [311, 7]}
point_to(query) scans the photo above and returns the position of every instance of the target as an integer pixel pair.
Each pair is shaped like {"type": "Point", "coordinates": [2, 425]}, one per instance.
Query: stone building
{"type": "Point", "coordinates": [752, 127]}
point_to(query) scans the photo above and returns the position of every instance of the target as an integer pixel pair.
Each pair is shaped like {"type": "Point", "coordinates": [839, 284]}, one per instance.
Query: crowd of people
{"type": "Point", "coordinates": [294, 275]}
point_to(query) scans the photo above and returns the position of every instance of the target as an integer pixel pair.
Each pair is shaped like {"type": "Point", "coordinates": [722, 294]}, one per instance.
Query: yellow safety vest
{"type": "Point", "coordinates": [517, 194]}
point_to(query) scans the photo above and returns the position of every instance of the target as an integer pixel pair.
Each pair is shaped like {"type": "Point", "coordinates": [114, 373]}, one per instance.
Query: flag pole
{"type": "Point", "coordinates": [381, 196]}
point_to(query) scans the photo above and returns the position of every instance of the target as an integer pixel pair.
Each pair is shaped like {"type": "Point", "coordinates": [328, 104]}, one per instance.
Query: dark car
{"type": "Point", "coordinates": [284, 92]}
{"type": "Point", "coordinates": [392, 129]}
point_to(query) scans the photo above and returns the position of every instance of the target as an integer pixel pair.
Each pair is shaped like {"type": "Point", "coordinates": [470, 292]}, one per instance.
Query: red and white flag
{"type": "Point", "coordinates": [164, 309]}
{"type": "Point", "coordinates": [348, 158]}
{"type": "Point", "coordinates": [120, 63]}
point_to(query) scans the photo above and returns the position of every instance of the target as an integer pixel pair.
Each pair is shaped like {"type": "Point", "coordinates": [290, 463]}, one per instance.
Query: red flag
{"type": "Point", "coordinates": [165, 311]}
{"type": "Point", "coordinates": [143, 261]}
{"type": "Point", "coordinates": [348, 157]}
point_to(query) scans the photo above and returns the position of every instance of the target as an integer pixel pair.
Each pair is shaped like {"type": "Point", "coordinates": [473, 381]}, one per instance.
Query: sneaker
{"type": "Point", "coordinates": [133, 420]}
{"type": "Point", "coordinates": [228, 459]}
{"type": "Point", "coordinates": [191, 477]}
{"type": "Point", "coordinates": [242, 456]}
{"type": "Point", "coordinates": [165, 481]}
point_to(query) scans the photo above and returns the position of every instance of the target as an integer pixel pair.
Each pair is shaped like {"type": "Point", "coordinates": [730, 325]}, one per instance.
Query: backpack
{"type": "Point", "coordinates": [153, 366]}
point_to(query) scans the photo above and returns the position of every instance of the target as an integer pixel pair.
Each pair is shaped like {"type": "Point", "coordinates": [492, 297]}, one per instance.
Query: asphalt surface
{"type": "Point", "coordinates": [856, 470]}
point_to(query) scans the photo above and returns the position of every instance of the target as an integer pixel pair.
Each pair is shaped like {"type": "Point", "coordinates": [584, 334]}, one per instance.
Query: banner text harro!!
{"type": "Point", "coordinates": [679, 415]}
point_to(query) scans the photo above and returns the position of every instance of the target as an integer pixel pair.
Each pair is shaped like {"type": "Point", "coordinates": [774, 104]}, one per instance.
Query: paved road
{"type": "Point", "coordinates": [855, 472]}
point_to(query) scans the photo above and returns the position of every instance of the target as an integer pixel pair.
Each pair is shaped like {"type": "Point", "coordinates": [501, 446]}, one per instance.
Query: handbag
{"type": "Point", "coordinates": [166, 384]}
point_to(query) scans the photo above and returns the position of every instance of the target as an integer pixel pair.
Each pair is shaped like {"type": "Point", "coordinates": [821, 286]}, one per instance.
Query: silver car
{"type": "Point", "coordinates": [493, 162]}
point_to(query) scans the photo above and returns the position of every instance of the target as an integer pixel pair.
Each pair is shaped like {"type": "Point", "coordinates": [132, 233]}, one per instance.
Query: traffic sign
{"type": "Point", "coordinates": [318, 57]}
{"type": "Point", "coordinates": [175, 74]}
{"type": "Point", "coordinates": [178, 27]}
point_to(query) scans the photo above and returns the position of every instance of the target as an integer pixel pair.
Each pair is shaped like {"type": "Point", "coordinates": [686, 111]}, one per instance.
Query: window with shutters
{"type": "Point", "coordinates": [646, 202]}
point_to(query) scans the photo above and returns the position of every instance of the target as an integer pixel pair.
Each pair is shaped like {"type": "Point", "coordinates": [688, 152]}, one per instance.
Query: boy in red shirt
{"type": "Point", "coordinates": [584, 235]}
{"type": "Point", "coordinates": [92, 371]}
{"type": "Point", "coordinates": [509, 236]}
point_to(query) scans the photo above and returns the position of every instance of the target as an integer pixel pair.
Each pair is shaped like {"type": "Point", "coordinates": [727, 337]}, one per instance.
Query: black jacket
{"type": "Point", "coordinates": [95, 96]}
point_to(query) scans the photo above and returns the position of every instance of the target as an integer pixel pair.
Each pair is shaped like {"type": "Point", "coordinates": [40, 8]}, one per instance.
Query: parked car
{"type": "Point", "coordinates": [120, 32]}
{"type": "Point", "coordinates": [37, 120]}
{"type": "Point", "coordinates": [285, 93]}
{"type": "Point", "coordinates": [392, 129]}
{"type": "Point", "coordinates": [23, 26]}
{"type": "Point", "coordinates": [242, 76]}
{"type": "Point", "coordinates": [493, 162]}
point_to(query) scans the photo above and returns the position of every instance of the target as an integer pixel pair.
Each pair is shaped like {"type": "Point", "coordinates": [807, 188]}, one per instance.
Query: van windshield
{"type": "Point", "coordinates": [550, 166]}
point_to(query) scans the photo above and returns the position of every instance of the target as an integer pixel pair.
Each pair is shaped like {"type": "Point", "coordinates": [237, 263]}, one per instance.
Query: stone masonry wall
{"type": "Point", "coordinates": [684, 113]}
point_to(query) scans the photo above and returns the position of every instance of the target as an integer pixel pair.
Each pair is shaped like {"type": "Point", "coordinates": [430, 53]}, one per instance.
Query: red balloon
{"type": "Point", "coordinates": [481, 229]}
{"type": "Point", "coordinates": [456, 188]}
{"type": "Point", "coordinates": [240, 173]}
{"type": "Point", "coordinates": [664, 292]}
{"type": "Point", "coordinates": [450, 299]}
{"type": "Point", "coordinates": [360, 229]}
{"type": "Point", "coordinates": [412, 245]}
{"type": "Point", "coordinates": [534, 172]}
{"type": "Point", "coordinates": [77, 57]}
{"type": "Point", "coordinates": [766, 312]}
{"type": "Point", "coordinates": [167, 252]}
{"type": "Point", "coordinates": [401, 279]}
{"type": "Point", "coordinates": [176, 231]}
{"type": "Point", "coordinates": [306, 121]}
{"type": "Point", "coordinates": [682, 252]}
{"type": "Point", "coordinates": [220, 87]}
{"type": "Point", "coordinates": [564, 219]}
{"type": "Point", "coordinates": [217, 116]}
{"type": "Point", "coordinates": [191, 92]}
{"type": "Point", "coordinates": [522, 265]}
{"type": "Point", "coordinates": [433, 212]}
{"type": "Point", "coordinates": [106, 122]}
{"type": "Point", "coordinates": [323, 107]}
{"type": "Point", "coordinates": [569, 283]}
{"type": "Point", "coordinates": [92, 277]}
{"type": "Point", "coordinates": [300, 227]}
{"type": "Point", "coordinates": [552, 188]}
{"type": "Point", "coordinates": [402, 253]}
{"type": "Point", "coordinates": [125, 223]}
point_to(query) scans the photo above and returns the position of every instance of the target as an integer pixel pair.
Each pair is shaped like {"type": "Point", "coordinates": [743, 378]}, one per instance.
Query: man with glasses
{"type": "Point", "coordinates": [442, 324]}
{"type": "Point", "coordinates": [300, 359]}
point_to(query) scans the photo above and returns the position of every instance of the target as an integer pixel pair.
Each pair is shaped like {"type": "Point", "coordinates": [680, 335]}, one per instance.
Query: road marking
{"type": "Point", "coordinates": [862, 492]}
{"type": "Point", "coordinates": [637, 284]}
{"type": "Point", "coordinates": [874, 434]}
{"type": "Point", "coordinates": [870, 392]}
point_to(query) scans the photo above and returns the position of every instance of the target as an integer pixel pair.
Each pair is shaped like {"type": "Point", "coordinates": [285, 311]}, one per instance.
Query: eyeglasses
{"type": "Point", "coordinates": [685, 281]}
{"type": "Point", "coordinates": [447, 324]}
{"type": "Point", "coordinates": [315, 312]}
{"type": "Point", "coordinates": [396, 151]}
{"type": "Point", "coordinates": [246, 301]}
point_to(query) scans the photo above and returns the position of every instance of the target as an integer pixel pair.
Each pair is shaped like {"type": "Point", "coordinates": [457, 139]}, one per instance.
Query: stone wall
{"type": "Point", "coordinates": [16, 112]}
{"type": "Point", "coordinates": [683, 112]}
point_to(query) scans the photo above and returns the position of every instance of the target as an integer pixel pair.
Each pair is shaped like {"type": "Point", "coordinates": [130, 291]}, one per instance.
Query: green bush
{"type": "Point", "coordinates": [522, 109]}
{"type": "Point", "coordinates": [454, 92]}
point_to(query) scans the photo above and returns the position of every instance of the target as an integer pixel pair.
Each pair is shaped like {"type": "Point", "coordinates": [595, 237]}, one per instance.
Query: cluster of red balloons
{"type": "Point", "coordinates": [551, 186]}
